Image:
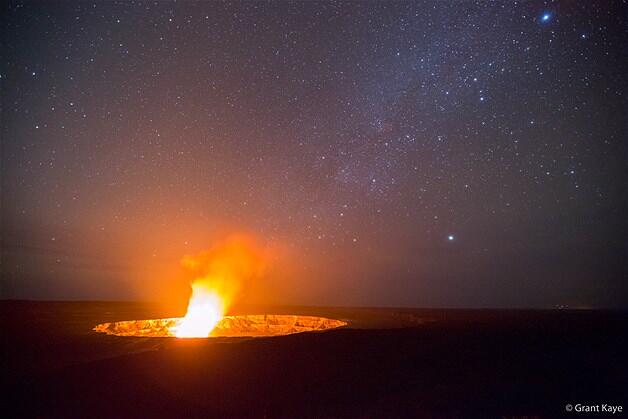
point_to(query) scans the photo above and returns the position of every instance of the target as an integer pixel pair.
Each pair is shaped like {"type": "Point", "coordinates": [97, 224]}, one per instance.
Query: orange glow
{"type": "Point", "coordinates": [205, 310]}
{"type": "Point", "coordinates": [219, 275]}
{"type": "Point", "coordinates": [255, 325]}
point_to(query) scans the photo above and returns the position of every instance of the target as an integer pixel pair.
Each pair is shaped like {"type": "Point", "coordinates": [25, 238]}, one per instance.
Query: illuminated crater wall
{"type": "Point", "coordinates": [229, 326]}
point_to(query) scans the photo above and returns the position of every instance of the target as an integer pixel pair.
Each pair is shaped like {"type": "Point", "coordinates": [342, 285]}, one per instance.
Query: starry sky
{"type": "Point", "coordinates": [426, 153]}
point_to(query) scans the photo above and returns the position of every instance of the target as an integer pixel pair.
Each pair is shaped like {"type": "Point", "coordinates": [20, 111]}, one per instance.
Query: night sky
{"type": "Point", "coordinates": [434, 154]}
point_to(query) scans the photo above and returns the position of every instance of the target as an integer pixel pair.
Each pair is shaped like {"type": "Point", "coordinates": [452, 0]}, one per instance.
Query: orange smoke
{"type": "Point", "coordinates": [220, 273]}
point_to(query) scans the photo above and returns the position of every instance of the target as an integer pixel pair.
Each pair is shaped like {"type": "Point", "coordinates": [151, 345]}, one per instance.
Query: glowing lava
{"type": "Point", "coordinates": [205, 310]}
{"type": "Point", "coordinates": [252, 325]}
{"type": "Point", "coordinates": [219, 275]}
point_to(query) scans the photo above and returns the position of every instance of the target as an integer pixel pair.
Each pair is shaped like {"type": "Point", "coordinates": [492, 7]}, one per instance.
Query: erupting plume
{"type": "Point", "coordinates": [219, 275]}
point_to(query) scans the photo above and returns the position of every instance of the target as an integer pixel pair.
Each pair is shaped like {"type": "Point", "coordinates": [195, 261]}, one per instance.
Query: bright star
{"type": "Point", "coordinates": [450, 238]}
{"type": "Point", "coordinates": [546, 17]}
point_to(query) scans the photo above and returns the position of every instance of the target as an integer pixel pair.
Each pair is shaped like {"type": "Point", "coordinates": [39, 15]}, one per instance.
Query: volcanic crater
{"type": "Point", "coordinates": [256, 325]}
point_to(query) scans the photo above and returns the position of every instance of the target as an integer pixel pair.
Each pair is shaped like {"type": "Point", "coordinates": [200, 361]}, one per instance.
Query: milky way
{"type": "Point", "coordinates": [407, 153]}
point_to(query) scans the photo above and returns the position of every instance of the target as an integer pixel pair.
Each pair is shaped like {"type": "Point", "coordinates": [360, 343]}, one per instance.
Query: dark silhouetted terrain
{"type": "Point", "coordinates": [387, 363]}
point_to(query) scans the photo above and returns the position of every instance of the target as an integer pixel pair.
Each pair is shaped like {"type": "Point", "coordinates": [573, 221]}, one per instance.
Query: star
{"type": "Point", "coordinates": [546, 17]}
{"type": "Point", "coordinates": [450, 237]}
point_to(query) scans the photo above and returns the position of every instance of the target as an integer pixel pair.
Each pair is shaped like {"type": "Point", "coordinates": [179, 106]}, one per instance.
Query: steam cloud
{"type": "Point", "coordinates": [227, 267]}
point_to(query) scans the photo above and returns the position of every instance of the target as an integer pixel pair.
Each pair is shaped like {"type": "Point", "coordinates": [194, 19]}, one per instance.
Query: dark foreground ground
{"type": "Point", "coordinates": [387, 363]}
